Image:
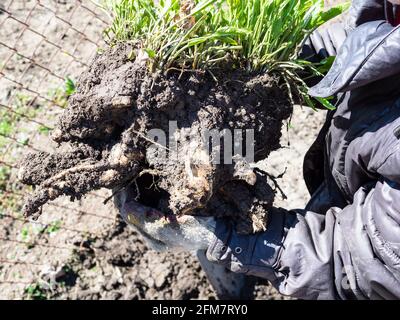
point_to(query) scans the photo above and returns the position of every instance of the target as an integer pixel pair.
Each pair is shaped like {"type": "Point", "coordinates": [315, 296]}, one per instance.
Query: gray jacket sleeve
{"type": "Point", "coordinates": [343, 254]}
{"type": "Point", "coordinates": [371, 52]}
{"type": "Point", "coordinates": [363, 11]}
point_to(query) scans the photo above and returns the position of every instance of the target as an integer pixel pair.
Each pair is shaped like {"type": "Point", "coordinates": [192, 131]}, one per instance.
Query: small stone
{"type": "Point", "coordinates": [122, 102]}
{"type": "Point", "coordinates": [161, 272]}
{"type": "Point", "coordinates": [56, 135]}
{"type": "Point", "coordinates": [145, 276]}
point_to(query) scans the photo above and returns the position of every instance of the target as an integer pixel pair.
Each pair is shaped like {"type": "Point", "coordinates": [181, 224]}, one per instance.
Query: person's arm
{"type": "Point", "coordinates": [363, 11]}
{"type": "Point", "coordinates": [349, 253]}
{"type": "Point", "coordinates": [371, 52]}
{"type": "Point", "coordinates": [353, 252]}
{"type": "Point", "coordinates": [343, 254]}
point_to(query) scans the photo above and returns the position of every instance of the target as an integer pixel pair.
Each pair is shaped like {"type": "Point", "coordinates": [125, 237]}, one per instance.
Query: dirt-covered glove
{"type": "Point", "coordinates": [162, 231]}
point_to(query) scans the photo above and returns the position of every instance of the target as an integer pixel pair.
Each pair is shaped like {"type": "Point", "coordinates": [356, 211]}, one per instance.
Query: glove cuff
{"type": "Point", "coordinates": [256, 254]}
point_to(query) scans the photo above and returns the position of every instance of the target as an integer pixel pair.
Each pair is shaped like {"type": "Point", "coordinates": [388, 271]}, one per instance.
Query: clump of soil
{"type": "Point", "coordinates": [107, 139]}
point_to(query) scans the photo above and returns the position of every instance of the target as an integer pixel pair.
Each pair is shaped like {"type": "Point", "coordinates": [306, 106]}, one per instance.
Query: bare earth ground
{"type": "Point", "coordinates": [82, 250]}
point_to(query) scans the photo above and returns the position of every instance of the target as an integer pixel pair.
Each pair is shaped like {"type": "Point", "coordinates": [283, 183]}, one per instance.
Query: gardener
{"type": "Point", "coordinates": [346, 243]}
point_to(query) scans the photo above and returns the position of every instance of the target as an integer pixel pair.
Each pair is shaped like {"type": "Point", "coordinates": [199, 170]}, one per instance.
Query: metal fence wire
{"type": "Point", "coordinates": [42, 44]}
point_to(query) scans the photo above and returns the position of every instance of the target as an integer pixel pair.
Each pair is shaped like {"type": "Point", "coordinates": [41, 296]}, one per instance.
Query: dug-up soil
{"type": "Point", "coordinates": [115, 263]}
{"type": "Point", "coordinates": [106, 129]}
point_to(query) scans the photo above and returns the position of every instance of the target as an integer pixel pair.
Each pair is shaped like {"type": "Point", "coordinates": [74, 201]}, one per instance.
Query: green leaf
{"type": "Point", "coordinates": [5, 127]}
{"type": "Point", "coordinates": [325, 102]}
{"type": "Point", "coordinates": [44, 129]}
{"type": "Point", "coordinates": [70, 87]}
{"type": "Point", "coordinates": [24, 141]}
{"type": "Point", "coordinates": [53, 227]}
{"type": "Point", "coordinates": [325, 65]}
{"type": "Point", "coordinates": [151, 53]}
{"type": "Point", "coordinates": [335, 11]}
{"type": "Point", "coordinates": [132, 55]}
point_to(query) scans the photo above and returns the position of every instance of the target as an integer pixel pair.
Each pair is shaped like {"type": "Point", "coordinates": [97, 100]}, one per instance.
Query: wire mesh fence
{"type": "Point", "coordinates": [43, 44]}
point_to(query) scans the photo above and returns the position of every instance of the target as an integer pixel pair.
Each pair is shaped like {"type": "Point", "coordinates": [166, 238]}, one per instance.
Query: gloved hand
{"type": "Point", "coordinates": [162, 231]}
{"type": "Point", "coordinates": [324, 42]}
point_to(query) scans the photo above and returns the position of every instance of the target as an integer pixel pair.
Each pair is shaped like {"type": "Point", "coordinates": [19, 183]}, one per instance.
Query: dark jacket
{"type": "Point", "coordinates": [346, 243]}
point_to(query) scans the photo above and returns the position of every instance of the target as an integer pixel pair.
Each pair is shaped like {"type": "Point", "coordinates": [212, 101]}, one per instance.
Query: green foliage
{"type": "Point", "coordinates": [27, 236]}
{"type": "Point", "coordinates": [44, 130]}
{"type": "Point", "coordinates": [29, 232]}
{"type": "Point", "coordinates": [35, 292]}
{"type": "Point", "coordinates": [25, 233]}
{"type": "Point", "coordinates": [256, 35]}
{"type": "Point", "coordinates": [5, 126]}
{"type": "Point", "coordinates": [70, 87]}
{"type": "Point", "coordinates": [58, 96]}
{"type": "Point", "coordinates": [324, 66]}
{"type": "Point", "coordinates": [5, 173]}
{"type": "Point", "coordinates": [9, 120]}
{"type": "Point", "coordinates": [53, 227]}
